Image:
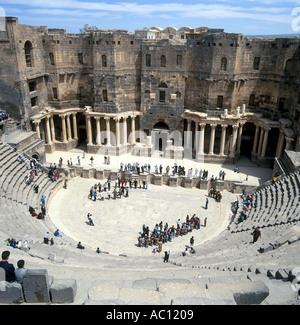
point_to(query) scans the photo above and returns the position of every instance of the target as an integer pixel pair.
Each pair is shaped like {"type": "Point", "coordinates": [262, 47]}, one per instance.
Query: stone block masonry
{"type": "Point", "coordinates": [36, 286]}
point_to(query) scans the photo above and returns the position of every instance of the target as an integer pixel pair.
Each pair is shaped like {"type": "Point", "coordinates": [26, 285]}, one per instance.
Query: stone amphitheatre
{"type": "Point", "coordinates": [199, 98]}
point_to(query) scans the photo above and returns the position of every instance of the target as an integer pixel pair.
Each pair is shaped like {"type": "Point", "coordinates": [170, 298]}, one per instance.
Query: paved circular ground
{"type": "Point", "coordinates": [118, 222]}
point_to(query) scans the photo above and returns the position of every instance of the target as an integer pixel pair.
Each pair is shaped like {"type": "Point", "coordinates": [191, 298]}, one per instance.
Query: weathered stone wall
{"type": "Point", "coordinates": [111, 72]}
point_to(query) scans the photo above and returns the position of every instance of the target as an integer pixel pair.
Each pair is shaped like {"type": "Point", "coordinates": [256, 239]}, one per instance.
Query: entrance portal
{"type": "Point", "coordinates": [160, 137]}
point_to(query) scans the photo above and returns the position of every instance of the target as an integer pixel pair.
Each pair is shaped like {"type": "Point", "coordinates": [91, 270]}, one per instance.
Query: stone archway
{"type": "Point", "coordinates": [161, 132]}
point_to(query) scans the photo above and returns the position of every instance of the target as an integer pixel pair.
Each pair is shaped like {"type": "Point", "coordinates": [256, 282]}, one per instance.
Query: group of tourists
{"type": "Point", "coordinates": [40, 215]}
{"type": "Point", "coordinates": [162, 234]}
{"type": "Point", "coordinates": [248, 203]}
{"type": "Point", "coordinates": [215, 193]}
{"type": "Point", "coordinates": [18, 244]}
{"type": "Point", "coordinates": [159, 170]}
{"type": "Point", "coordinates": [116, 189]}
{"type": "Point", "coordinates": [32, 166]}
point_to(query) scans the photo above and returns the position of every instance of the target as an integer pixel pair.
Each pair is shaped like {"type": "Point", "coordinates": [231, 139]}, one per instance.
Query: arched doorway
{"type": "Point", "coordinates": [161, 126]}
{"type": "Point", "coordinates": [161, 133]}
{"type": "Point", "coordinates": [36, 156]}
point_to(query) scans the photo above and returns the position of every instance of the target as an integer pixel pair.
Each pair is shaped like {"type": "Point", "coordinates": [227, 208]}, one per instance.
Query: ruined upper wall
{"type": "Point", "coordinates": [107, 69]}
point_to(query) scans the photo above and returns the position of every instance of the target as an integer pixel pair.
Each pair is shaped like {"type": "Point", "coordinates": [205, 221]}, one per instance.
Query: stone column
{"type": "Point", "coordinates": [233, 142]}
{"type": "Point", "coordinates": [52, 128]}
{"type": "Point", "coordinates": [265, 142]}
{"type": "Point", "coordinates": [49, 141]}
{"type": "Point", "coordinates": [196, 138]}
{"type": "Point", "coordinates": [98, 131]}
{"type": "Point", "coordinates": [188, 137]}
{"type": "Point", "coordinates": [260, 141]}
{"type": "Point", "coordinates": [107, 119]}
{"type": "Point", "coordinates": [63, 128]}
{"type": "Point", "coordinates": [223, 137]}
{"type": "Point", "coordinates": [288, 143]}
{"type": "Point", "coordinates": [125, 131]}
{"type": "Point", "coordinates": [280, 144]}
{"type": "Point", "coordinates": [212, 138]}
{"type": "Point", "coordinates": [69, 127]}
{"type": "Point", "coordinates": [133, 129]}
{"type": "Point", "coordinates": [89, 130]}
{"type": "Point", "coordinates": [75, 126]}
{"type": "Point", "coordinates": [201, 138]}
{"type": "Point", "coordinates": [117, 121]}
{"type": "Point", "coordinates": [239, 140]}
{"type": "Point", "coordinates": [255, 139]}
{"type": "Point", "coordinates": [37, 128]}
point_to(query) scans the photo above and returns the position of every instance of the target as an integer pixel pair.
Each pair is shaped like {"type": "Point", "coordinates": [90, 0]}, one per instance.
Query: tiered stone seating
{"type": "Point", "coordinates": [277, 203]}
{"type": "Point", "coordinates": [16, 196]}
{"type": "Point", "coordinates": [227, 269]}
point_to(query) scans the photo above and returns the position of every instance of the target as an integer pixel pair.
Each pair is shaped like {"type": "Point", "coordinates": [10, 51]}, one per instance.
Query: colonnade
{"type": "Point", "coordinates": [121, 135]}
{"type": "Point", "coordinates": [200, 136]}
{"type": "Point", "coordinates": [69, 127]}
{"type": "Point", "coordinates": [66, 130]}
{"type": "Point", "coordinates": [260, 142]}
{"type": "Point", "coordinates": [121, 128]}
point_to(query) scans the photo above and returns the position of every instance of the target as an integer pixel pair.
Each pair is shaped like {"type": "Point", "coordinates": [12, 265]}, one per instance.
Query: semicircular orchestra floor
{"type": "Point", "coordinates": [118, 222]}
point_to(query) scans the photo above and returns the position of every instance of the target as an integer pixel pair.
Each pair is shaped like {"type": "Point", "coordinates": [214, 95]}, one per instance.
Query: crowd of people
{"type": "Point", "coordinates": [179, 170]}
{"type": "Point", "coordinates": [18, 244]}
{"type": "Point", "coordinates": [215, 193]}
{"type": "Point", "coordinates": [248, 203]}
{"type": "Point", "coordinates": [116, 188]}
{"type": "Point", "coordinates": [33, 168]}
{"type": "Point", "coordinates": [163, 233]}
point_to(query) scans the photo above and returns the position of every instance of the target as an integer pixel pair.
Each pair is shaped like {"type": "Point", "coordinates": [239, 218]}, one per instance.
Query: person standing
{"type": "Point", "coordinates": [167, 255]}
{"type": "Point", "coordinates": [205, 220]}
{"type": "Point", "coordinates": [92, 160]}
{"type": "Point", "coordinates": [192, 241]}
{"type": "Point", "coordinates": [206, 204]}
{"type": "Point", "coordinates": [43, 198]}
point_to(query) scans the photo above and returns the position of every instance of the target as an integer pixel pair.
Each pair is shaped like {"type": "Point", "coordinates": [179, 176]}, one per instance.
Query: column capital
{"type": "Point", "coordinates": [224, 126]}
{"type": "Point", "coordinates": [202, 125]}
{"type": "Point", "coordinates": [235, 126]}
{"type": "Point", "coordinates": [213, 125]}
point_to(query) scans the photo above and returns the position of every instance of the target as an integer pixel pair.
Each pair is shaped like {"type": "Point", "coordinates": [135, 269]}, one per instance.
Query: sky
{"type": "Point", "coordinates": [250, 17]}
